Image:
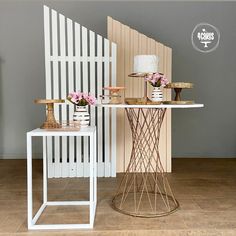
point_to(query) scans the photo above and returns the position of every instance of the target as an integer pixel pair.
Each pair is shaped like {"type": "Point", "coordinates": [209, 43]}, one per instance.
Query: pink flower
{"type": "Point", "coordinates": [157, 79]}
{"type": "Point", "coordinates": [157, 76]}
{"type": "Point", "coordinates": [81, 99]}
{"type": "Point", "coordinates": [90, 99]}
{"type": "Point", "coordinates": [164, 81]}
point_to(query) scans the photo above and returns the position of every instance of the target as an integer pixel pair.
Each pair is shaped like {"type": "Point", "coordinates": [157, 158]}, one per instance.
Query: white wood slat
{"type": "Point", "coordinates": [47, 51]}
{"type": "Point", "coordinates": [99, 109]}
{"type": "Point", "coordinates": [65, 167]}
{"type": "Point", "coordinates": [107, 110]}
{"type": "Point", "coordinates": [113, 113]}
{"type": "Point", "coordinates": [45, 170]}
{"type": "Point", "coordinates": [92, 76]}
{"type": "Point", "coordinates": [92, 73]}
{"type": "Point", "coordinates": [85, 89]}
{"type": "Point", "coordinates": [79, 163]}
{"type": "Point", "coordinates": [48, 83]}
{"type": "Point", "coordinates": [72, 166]}
{"type": "Point", "coordinates": [56, 92]}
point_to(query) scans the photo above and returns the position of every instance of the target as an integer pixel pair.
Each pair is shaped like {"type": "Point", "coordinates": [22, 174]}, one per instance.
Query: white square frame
{"type": "Point", "coordinates": [92, 203]}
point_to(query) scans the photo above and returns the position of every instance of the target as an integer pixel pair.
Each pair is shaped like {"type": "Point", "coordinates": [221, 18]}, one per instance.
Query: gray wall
{"type": "Point", "coordinates": [208, 132]}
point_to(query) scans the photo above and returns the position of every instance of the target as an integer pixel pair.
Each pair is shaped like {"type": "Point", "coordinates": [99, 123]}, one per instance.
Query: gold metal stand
{"type": "Point", "coordinates": [144, 190]}
{"type": "Point", "coordinates": [114, 96]}
{"type": "Point", "coordinates": [50, 121]}
{"type": "Point", "coordinates": [142, 75]}
{"type": "Point", "coordinates": [178, 86]}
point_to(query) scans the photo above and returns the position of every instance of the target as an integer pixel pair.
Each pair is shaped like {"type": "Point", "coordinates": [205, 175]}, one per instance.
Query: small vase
{"type": "Point", "coordinates": [157, 94]}
{"type": "Point", "coordinates": [81, 114]}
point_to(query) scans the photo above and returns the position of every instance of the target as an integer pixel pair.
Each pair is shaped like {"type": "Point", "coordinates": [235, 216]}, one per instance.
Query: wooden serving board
{"type": "Point", "coordinates": [178, 102]}
{"type": "Point", "coordinates": [182, 85]}
{"type": "Point", "coordinates": [46, 101]}
{"type": "Point", "coordinates": [140, 101]}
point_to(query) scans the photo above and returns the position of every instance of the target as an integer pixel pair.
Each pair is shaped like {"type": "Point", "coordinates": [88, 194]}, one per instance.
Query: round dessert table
{"type": "Point", "coordinates": [144, 190]}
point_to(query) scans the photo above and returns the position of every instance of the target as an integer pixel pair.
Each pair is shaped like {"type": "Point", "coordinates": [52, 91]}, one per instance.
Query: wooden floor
{"type": "Point", "coordinates": [205, 188]}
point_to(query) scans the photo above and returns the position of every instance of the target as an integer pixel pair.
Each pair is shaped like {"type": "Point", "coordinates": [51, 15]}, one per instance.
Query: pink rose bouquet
{"type": "Point", "coordinates": [81, 99]}
{"type": "Point", "coordinates": [157, 79]}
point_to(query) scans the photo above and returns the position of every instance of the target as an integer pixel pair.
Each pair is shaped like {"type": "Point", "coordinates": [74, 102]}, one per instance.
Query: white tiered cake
{"type": "Point", "coordinates": [145, 64]}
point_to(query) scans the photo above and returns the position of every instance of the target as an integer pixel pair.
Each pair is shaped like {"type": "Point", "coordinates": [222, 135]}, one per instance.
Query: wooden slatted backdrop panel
{"type": "Point", "coordinates": [77, 59]}
{"type": "Point", "coordinates": [130, 43]}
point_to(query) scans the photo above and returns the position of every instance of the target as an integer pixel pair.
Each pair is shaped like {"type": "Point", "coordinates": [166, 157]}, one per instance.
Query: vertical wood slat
{"type": "Point", "coordinates": [162, 142]}
{"type": "Point", "coordinates": [132, 44]}
{"type": "Point", "coordinates": [131, 56]}
{"type": "Point", "coordinates": [65, 167]}
{"type": "Point", "coordinates": [113, 156]}
{"type": "Point", "coordinates": [123, 71]}
{"type": "Point", "coordinates": [99, 109]}
{"type": "Point", "coordinates": [136, 52]}
{"type": "Point", "coordinates": [168, 114]}
{"type": "Point", "coordinates": [72, 166]}
{"type": "Point", "coordinates": [150, 50]}
{"type": "Point", "coordinates": [128, 90]}
{"type": "Point", "coordinates": [79, 163]}
{"type": "Point", "coordinates": [164, 127]}
{"type": "Point", "coordinates": [117, 31]}
{"type": "Point", "coordinates": [92, 73]}
{"type": "Point", "coordinates": [110, 32]}
{"type": "Point", "coordinates": [140, 44]}
{"type": "Point", "coordinates": [85, 89]}
{"type": "Point", "coordinates": [143, 50]}
{"type": "Point", "coordinates": [113, 113]}
{"type": "Point", "coordinates": [107, 110]}
{"type": "Point", "coordinates": [56, 91]}
{"type": "Point", "coordinates": [47, 52]}
{"type": "Point", "coordinates": [47, 40]}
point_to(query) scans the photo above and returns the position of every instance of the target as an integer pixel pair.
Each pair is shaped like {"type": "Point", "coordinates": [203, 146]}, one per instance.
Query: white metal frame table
{"type": "Point", "coordinates": [144, 190]}
{"type": "Point", "coordinates": [32, 220]}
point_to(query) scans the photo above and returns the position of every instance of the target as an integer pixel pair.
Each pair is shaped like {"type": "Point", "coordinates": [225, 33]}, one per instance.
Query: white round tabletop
{"type": "Point", "coordinates": [151, 106]}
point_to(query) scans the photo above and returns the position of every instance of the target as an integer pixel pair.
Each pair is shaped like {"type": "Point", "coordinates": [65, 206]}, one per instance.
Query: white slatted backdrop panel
{"type": "Point", "coordinates": [77, 59]}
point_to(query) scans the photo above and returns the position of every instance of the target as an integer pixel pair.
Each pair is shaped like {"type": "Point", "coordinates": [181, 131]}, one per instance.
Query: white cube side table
{"type": "Point", "coordinates": [89, 132]}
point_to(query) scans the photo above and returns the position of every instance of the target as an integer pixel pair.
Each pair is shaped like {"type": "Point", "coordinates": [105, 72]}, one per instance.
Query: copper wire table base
{"type": "Point", "coordinates": [144, 190]}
